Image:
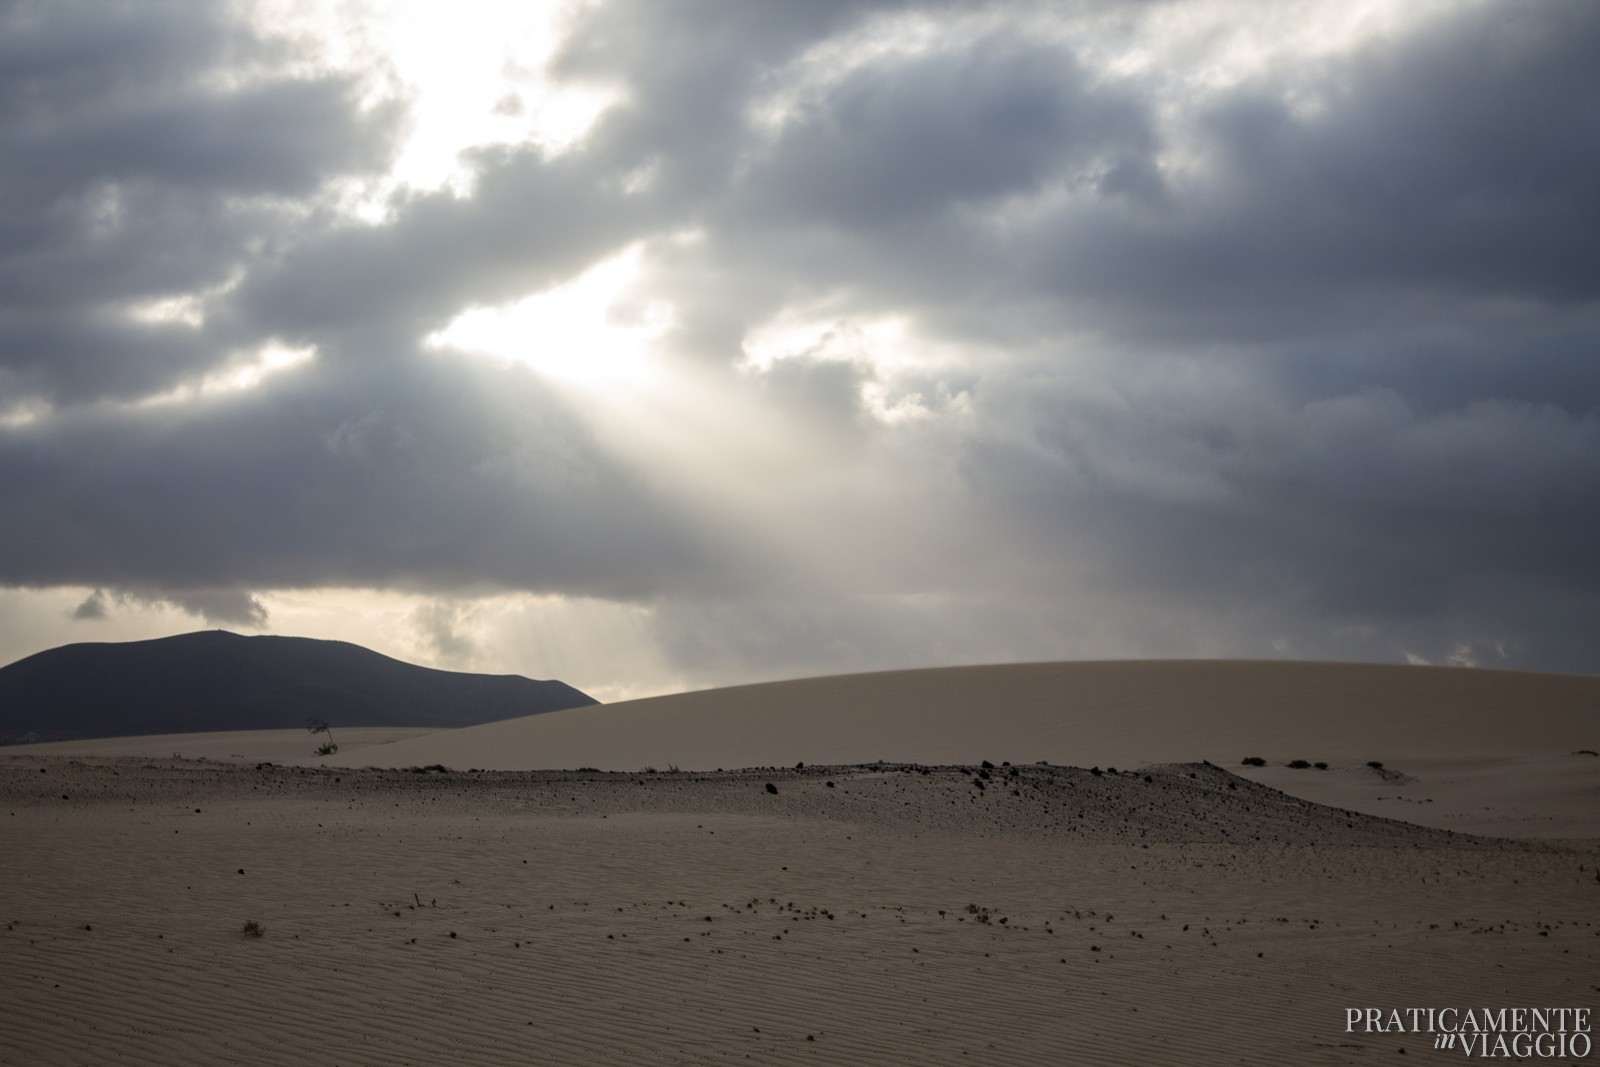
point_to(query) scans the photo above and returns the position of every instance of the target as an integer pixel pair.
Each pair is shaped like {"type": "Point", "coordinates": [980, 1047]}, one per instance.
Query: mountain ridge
{"type": "Point", "coordinates": [214, 680]}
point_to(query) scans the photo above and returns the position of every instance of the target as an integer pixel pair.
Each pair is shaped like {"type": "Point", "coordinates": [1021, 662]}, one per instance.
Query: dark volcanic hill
{"type": "Point", "coordinates": [217, 680]}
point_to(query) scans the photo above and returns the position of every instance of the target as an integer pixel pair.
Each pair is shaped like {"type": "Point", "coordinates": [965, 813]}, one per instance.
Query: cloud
{"type": "Point", "coordinates": [439, 477]}
{"type": "Point", "coordinates": [891, 143]}
{"type": "Point", "coordinates": [226, 606]}
{"type": "Point", "coordinates": [1008, 331]}
{"type": "Point", "coordinates": [1399, 183]}
{"type": "Point", "coordinates": [229, 607]}
{"type": "Point", "coordinates": [441, 627]}
{"type": "Point", "coordinates": [92, 608]}
{"type": "Point", "coordinates": [168, 150]}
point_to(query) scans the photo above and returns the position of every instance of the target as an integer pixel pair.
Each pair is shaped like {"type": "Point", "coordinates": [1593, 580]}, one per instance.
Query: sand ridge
{"type": "Point", "coordinates": [1176, 803]}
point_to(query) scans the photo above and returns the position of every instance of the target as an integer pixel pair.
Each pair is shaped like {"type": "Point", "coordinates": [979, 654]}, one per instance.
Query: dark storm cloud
{"type": "Point", "coordinates": [134, 176]}
{"type": "Point", "coordinates": [1303, 364]}
{"type": "Point", "coordinates": [425, 477]}
{"type": "Point", "coordinates": [1444, 167]}
{"type": "Point", "coordinates": [61, 55]}
{"type": "Point", "coordinates": [1354, 510]}
{"type": "Point", "coordinates": [894, 143]}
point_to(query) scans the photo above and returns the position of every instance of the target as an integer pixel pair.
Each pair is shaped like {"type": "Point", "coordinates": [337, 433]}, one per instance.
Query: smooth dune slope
{"type": "Point", "coordinates": [1070, 713]}
{"type": "Point", "coordinates": [1493, 752]}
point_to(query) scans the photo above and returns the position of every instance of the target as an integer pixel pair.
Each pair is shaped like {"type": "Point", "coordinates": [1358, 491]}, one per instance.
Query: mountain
{"type": "Point", "coordinates": [217, 680]}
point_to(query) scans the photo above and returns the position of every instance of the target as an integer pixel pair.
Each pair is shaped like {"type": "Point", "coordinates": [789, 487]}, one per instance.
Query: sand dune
{"type": "Point", "coordinates": [1484, 751]}
{"type": "Point", "coordinates": [1071, 713]}
{"type": "Point", "coordinates": [1481, 751]}
{"type": "Point", "coordinates": [865, 914]}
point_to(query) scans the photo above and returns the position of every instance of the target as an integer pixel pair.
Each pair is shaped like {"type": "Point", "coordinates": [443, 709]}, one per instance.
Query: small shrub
{"type": "Point", "coordinates": [1319, 765]}
{"type": "Point", "coordinates": [1375, 764]}
{"type": "Point", "coordinates": [1253, 761]}
{"type": "Point", "coordinates": [1299, 764]}
{"type": "Point", "coordinates": [320, 726]}
{"type": "Point", "coordinates": [253, 929]}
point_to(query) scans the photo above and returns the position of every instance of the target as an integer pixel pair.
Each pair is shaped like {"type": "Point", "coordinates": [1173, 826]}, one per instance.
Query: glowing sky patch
{"type": "Point", "coordinates": [593, 331]}
{"type": "Point", "coordinates": [471, 74]}
{"type": "Point", "coordinates": [271, 361]}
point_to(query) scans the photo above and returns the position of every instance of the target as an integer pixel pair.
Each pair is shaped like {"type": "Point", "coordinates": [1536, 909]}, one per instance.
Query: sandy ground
{"type": "Point", "coordinates": [239, 746]}
{"type": "Point", "coordinates": [1178, 912]}
{"type": "Point", "coordinates": [900, 915]}
{"type": "Point", "coordinates": [1517, 795]}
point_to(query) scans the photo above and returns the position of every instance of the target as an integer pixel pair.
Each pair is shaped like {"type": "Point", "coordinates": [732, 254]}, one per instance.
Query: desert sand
{"type": "Point", "coordinates": [849, 911]}
{"type": "Point", "coordinates": [1496, 752]}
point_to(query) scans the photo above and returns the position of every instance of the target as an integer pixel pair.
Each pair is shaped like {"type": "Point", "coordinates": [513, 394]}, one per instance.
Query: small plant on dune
{"type": "Point", "coordinates": [1299, 764]}
{"type": "Point", "coordinates": [1376, 765]}
{"type": "Point", "coordinates": [672, 768]}
{"type": "Point", "coordinates": [648, 770]}
{"type": "Point", "coordinates": [1253, 761]}
{"type": "Point", "coordinates": [320, 726]}
{"type": "Point", "coordinates": [253, 929]}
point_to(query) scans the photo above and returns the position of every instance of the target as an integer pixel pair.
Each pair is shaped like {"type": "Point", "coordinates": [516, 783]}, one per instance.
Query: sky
{"type": "Point", "coordinates": [661, 344]}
